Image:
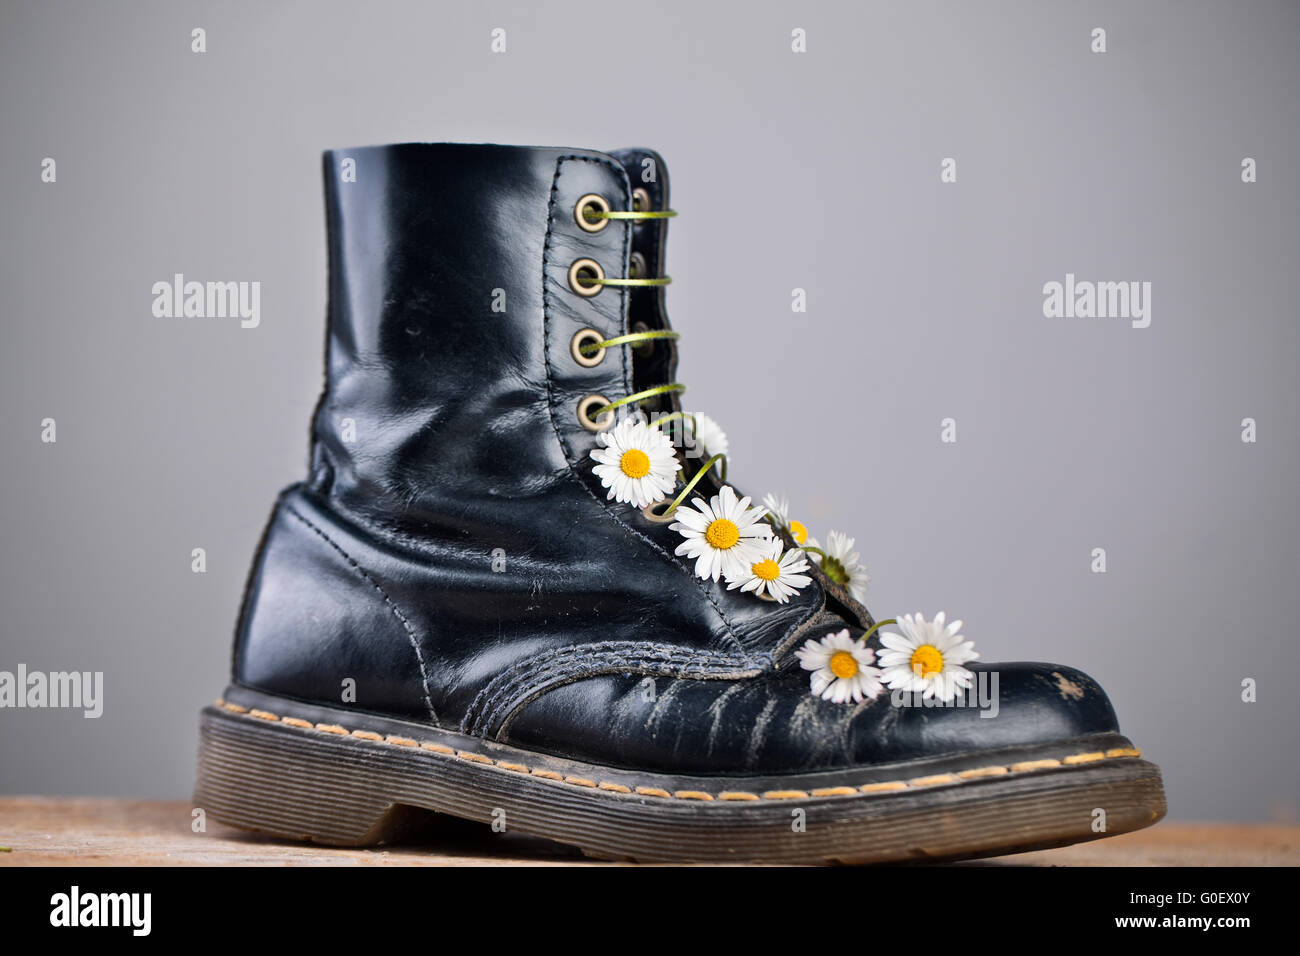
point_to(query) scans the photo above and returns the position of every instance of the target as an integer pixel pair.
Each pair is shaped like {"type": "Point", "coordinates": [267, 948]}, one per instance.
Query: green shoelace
{"type": "Point", "coordinates": [636, 338]}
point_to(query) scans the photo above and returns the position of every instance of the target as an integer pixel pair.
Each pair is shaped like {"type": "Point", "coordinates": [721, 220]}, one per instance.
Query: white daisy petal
{"type": "Point", "coordinates": [636, 463]}
{"type": "Point", "coordinates": [926, 657]}
{"type": "Point", "coordinates": [722, 534]}
{"type": "Point", "coordinates": [842, 668]}
{"type": "Point", "coordinates": [778, 507]}
{"type": "Point", "coordinates": [769, 571]}
{"type": "Point", "coordinates": [706, 439]}
{"type": "Point", "coordinates": [842, 564]}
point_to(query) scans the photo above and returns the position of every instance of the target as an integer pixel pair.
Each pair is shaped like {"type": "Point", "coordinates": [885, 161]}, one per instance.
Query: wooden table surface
{"type": "Point", "coordinates": [51, 831]}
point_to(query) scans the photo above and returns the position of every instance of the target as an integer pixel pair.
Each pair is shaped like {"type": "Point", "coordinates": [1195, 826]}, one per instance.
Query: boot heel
{"type": "Point", "coordinates": [255, 776]}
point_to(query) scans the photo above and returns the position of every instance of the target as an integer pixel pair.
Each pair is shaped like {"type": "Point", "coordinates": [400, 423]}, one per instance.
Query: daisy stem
{"type": "Point", "coordinates": [673, 416]}
{"type": "Point", "coordinates": [877, 626]}
{"type": "Point", "coordinates": [692, 483]}
{"type": "Point", "coordinates": [695, 432]}
{"type": "Point", "coordinates": [809, 547]}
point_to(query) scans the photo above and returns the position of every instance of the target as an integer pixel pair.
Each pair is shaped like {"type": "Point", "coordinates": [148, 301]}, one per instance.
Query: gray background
{"type": "Point", "coordinates": [818, 171]}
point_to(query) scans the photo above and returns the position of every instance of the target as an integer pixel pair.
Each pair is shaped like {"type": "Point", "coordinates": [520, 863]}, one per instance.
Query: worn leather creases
{"type": "Point", "coordinates": [454, 558]}
{"type": "Point", "coordinates": [529, 678]}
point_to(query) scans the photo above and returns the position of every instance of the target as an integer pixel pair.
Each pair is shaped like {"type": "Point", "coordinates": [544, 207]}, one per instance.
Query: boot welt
{"type": "Point", "coordinates": [346, 778]}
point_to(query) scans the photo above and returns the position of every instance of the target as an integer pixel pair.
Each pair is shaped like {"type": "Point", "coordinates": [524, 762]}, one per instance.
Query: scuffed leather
{"type": "Point", "coordinates": [771, 724]}
{"type": "Point", "coordinates": [459, 561]}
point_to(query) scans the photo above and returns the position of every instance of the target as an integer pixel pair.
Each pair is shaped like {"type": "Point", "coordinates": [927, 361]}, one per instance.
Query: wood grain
{"type": "Point", "coordinates": [72, 831]}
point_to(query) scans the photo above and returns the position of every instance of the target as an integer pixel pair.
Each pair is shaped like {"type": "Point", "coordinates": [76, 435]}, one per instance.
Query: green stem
{"type": "Point", "coordinates": [692, 483]}
{"type": "Point", "coordinates": [673, 416]}
{"type": "Point", "coordinates": [877, 626]}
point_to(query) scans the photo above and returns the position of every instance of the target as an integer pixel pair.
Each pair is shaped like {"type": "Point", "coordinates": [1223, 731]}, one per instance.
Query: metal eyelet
{"type": "Point", "coordinates": [652, 513]}
{"type": "Point", "coordinates": [592, 270]}
{"type": "Point", "coordinates": [586, 337]}
{"type": "Point", "coordinates": [580, 212]}
{"type": "Point", "coordinates": [636, 266]}
{"type": "Point", "coordinates": [584, 413]}
{"type": "Point", "coordinates": [640, 201]}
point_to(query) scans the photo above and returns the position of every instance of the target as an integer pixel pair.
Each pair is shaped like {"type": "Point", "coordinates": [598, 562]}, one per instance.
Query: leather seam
{"type": "Point", "coordinates": [502, 694]}
{"type": "Point", "coordinates": [506, 713]}
{"type": "Point", "coordinates": [406, 624]}
{"type": "Point", "coordinates": [550, 392]}
{"type": "Point", "coordinates": [437, 750]}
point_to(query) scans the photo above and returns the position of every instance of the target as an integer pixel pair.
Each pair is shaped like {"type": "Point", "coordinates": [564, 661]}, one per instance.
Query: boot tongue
{"type": "Point", "coordinates": [653, 365]}
{"type": "Point", "coordinates": [648, 177]}
{"type": "Point", "coordinates": [645, 170]}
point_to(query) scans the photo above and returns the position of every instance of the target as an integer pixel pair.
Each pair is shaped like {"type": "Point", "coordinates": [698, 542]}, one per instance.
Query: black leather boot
{"type": "Point", "coordinates": [482, 602]}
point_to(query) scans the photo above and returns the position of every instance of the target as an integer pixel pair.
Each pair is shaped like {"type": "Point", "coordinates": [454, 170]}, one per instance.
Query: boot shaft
{"type": "Point", "coordinates": [452, 315]}
{"type": "Point", "coordinates": [452, 504]}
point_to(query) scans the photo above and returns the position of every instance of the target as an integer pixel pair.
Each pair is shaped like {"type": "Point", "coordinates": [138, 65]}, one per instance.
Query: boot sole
{"type": "Point", "coordinates": [346, 778]}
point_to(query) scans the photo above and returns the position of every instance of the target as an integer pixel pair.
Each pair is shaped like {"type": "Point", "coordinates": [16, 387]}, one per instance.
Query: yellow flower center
{"type": "Point", "coordinates": [798, 532]}
{"type": "Point", "coordinates": [635, 463]}
{"type": "Point", "coordinates": [844, 665]}
{"type": "Point", "coordinates": [926, 660]}
{"type": "Point", "coordinates": [767, 569]}
{"type": "Point", "coordinates": [721, 533]}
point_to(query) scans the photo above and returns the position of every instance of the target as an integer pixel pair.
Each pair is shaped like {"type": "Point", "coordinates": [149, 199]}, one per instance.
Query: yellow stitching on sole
{"type": "Point", "coordinates": [982, 772]}
{"type": "Point", "coordinates": [882, 787]}
{"type": "Point", "coordinates": [1084, 758]}
{"type": "Point", "coordinates": [1034, 765]}
{"type": "Point", "coordinates": [932, 781]}
{"type": "Point", "coordinates": [1088, 757]}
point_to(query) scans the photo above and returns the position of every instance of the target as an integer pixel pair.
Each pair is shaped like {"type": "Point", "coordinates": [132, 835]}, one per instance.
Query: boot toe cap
{"type": "Point", "coordinates": [1009, 705]}
{"type": "Point", "coordinates": [772, 724]}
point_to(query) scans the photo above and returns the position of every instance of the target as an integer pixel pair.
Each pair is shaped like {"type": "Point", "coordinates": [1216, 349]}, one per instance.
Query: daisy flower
{"type": "Point", "coordinates": [842, 668]}
{"type": "Point", "coordinates": [775, 573]}
{"type": "Point", "coordinates": [722, 536]}
{"type": "Point", "coordinates": [842, 564]}
{"type": "Point", "coordinates": [709, 439]}
{"type": "Point", "coordinates": [637, 463]}
{"type": "Point", "coordinates": [927, 657]}
{"type": "Point", "coordinates": [778, 509]}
